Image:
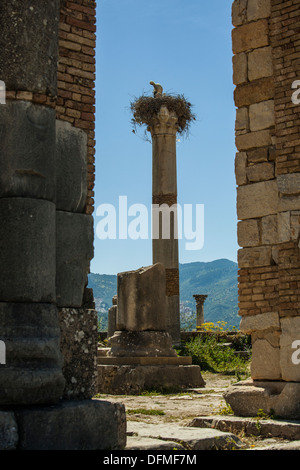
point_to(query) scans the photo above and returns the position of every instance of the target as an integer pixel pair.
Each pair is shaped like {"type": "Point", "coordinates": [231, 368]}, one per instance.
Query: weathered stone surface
{"type": "Point", "coordinates": [240, 68]}
{"type": "Point", "coordinates": [253, 140]}
{"type": "Point", "coordinates": [257, 9]}
{"type": "Point", "coordinates": [112, 318]}
{"type": "Point", "coordinates": [240, 168]}
{"type": "Point", "coordinates": [27, 150]}
{"type": "Point", "coordinates": [142, 299]}
{"type": "Point", "coordinates": [260, 172]}
{"type": "Point", "coordinates": [258, 155]}
{"type": "Point", "coordinates": [242, 119]}
{"type": "Point", "coordinates": [8, 431]}
{"type": "Point", "coordinates": [283, 227]}
{"type": "Point", "coordinates": [27, 250]}
{"type": "Point", "coordinates": [194, 439]}
{"type": "Point", "coordinates": [141, 343]}
{"type": "Point", "coordinates": [248, 233]}
{"type": "Point", "coordinates": [265, 361]}
{"type": "Point", "coordinates": [289, 345]}
{"type": "Point", "coordinates": [254, 256]}
{"type": "Point", "coordinates": [264, 321]}
{"type": "Point", "coordinates": [74, 425]}
{"type": "Point", "coordinates": [295, 225]}
{"type": "Point", "coordinates": [239, 12]}
{"type": "Point", "coordinates": [79, 341]}
{"type": "Point", "coordinates": [280, 398]}
{"type": "Point", "coordinates": [261, 115]}
{"type": "Point", "coordinates": [132, 380]}
{"type": "Point", "coordinates": [32, 373]}
{"type": "Point", "coordinates": [254, 92]}
{"type": "Point", "coordinates": [257, 199]}
{"type": "Point", "coordinates": [269, 230]}
{"type": "Point", "coordinates": [74, 251]}
{"type": "Point", "coordinates": [260, 63]}
{"type": "Point", "coordinates": [289, 185]}
{"type": "Point", "coordinates": [29, 45]}
{"type": "Point", "coordinates": [71, 167]}
{"type": "Point", "coordinates": [250, 36]}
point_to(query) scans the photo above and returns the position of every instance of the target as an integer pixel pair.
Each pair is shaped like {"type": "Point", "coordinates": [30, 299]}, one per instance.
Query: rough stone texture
{"type": "Point", "coordinates": [142, 299]}
{"type": "Point", "coordinates": [254, 92]}
{"type": "Point", "coordinates": [239, 12]}
{"type": "Point", "coordinates": [260, 172]}
{"type": "Point", "coordinates": [32, 373]}
{"type": "Point", "coordinates": [74, 250]}
{"type": "Point", "coordinates": [265, 360]}
{"type": "Point", "coordinates": [8, 431]}
{"type": "Point", "coordinates": [29, 43]}
{"type": "Point", "coordinates": [132, 380]}
{"type": "Point", "coordinates": [141, 343]}
{"type": "Point", "coordinates": [260, 63]}
{"type": "Point", "coordinates": [290, 369]}
{"type": "Point", "coordinates": [264, 321]}
{"type": "Point", "coordinates": [77, 425]}
{"type": "Point", "coordinates": [248, 233]}
{"type": "Point", "coordinates": [257, 200]}
{"type": "Point", "coordinates": [71, 167]}
{"type": "Point", "coordinates": [27, 250]}
{"type": "Point", "coordinates": [240, 68]}
{"type": "Point", "coordinates": [254, 256]}
{"type": "Point", "coordinates": [250, 36]}
{"type": "Point", "coordinates": [27, 150]}
{"type": "Point", "coordinates": [79, 340]}
{"type": "Point", "coordinates": [240, 168]}
{"type": "Point", "coordinates": [282, 399]}
{"type": "Point", "coordinates": [112, 318]}
{"type": "Point", "coordinates": [253, 139]}
{"type": "Point", "coordinates": [261, 115]}
{"type": "Point", "coordinates": [269, 229]}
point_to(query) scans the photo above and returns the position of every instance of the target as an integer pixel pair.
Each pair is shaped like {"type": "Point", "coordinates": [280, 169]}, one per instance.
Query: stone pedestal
{"type": "Point", "coordinates": [141, 355]}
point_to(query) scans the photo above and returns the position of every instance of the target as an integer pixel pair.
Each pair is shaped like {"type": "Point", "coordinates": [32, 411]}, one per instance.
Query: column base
{"type": "Point", "coordinates": [69, 425]}
{"type": "Point", "coordinates": [277, 398]}
{"type": "Point", "coordinates": [134, 378]}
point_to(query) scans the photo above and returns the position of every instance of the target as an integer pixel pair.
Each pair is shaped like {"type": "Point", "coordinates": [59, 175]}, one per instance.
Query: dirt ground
{"type": "Point", "coordinates": [181, 407]}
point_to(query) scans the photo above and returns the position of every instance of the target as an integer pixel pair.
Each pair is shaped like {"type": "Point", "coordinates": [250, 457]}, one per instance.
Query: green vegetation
{"type": "Point", "coordinates": [212, 352]}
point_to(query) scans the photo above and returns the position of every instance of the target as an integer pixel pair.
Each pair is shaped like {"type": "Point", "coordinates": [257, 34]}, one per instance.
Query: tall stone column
{"type": "Point", "coordinates": [164, 212]}
{"type": "Point", "coordinates": [200, 299]}
{"type": "Point", "coordinates": [165, 116]}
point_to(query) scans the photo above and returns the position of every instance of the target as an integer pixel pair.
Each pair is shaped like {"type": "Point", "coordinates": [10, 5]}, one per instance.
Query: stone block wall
{"type": "Point", "coordinates": [266, 46]}
{"type": "Point", "coordinates": [48, 321]}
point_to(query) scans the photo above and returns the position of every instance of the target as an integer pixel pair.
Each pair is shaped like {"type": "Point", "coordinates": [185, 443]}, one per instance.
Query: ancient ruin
{"type": "Point", "coordinates": [140, 355]}
{"type": "Point", "coordinates": [47, 316]}
{"type": "Point", "coordinates": [265, 66]}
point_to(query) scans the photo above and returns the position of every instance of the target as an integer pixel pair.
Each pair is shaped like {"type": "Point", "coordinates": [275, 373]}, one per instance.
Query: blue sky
{"type": "Point", "coordinates": [185, 46]}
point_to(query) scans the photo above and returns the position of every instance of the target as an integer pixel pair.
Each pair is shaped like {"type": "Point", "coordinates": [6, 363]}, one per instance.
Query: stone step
{"type": "Point", "coordinates": [250, 426]}
{"type": "Point", "coordinates": [143, 436]}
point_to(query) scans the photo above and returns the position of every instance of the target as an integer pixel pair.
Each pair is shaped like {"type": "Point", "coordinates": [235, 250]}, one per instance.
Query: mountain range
{"type": "Point", "coordinates": [217, 279]}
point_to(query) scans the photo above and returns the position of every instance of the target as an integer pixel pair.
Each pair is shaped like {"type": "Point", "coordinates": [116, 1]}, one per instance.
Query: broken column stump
{"type": "Point", "coordinates": [141, 356]}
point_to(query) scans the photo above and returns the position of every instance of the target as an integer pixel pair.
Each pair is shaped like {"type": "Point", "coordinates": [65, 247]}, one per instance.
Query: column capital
{"type": "Point", "coordinates": [164, 122]}
{"type": "Point", "coordinates": [200, 299]}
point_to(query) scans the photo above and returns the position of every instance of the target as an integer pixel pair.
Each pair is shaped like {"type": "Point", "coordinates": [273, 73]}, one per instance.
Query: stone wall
{"type": "Point", "coordinates": [266, 44]}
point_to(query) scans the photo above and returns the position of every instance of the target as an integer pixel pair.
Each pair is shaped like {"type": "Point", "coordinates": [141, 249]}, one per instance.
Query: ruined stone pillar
{"type": "Point", "coordinates": [200, 299]}
{"type": "Point", "coordinates": [29, 324]}
{"type": "Point", "coordinates": [165, 116]}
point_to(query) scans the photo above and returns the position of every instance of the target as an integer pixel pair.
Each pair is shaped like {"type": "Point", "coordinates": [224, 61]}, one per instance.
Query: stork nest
{"type": "Point", "coordinates": [145, 108]}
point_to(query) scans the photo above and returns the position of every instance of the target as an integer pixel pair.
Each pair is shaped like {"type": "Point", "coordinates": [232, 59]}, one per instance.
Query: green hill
{"type": "Point", "coordinates": [217, 279]}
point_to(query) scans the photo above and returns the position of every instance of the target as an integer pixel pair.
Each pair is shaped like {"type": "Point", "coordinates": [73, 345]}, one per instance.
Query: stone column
{"type": "Point", "coordinates": [200, 299]}
{"type": "Point", "coordinates": [28, 313]}
{"type": "Point", "coordinates": [164, 210]}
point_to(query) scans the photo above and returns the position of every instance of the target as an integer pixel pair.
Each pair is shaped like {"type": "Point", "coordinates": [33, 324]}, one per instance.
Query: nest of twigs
{"type": "Point", "coordinates": [145, 108]}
